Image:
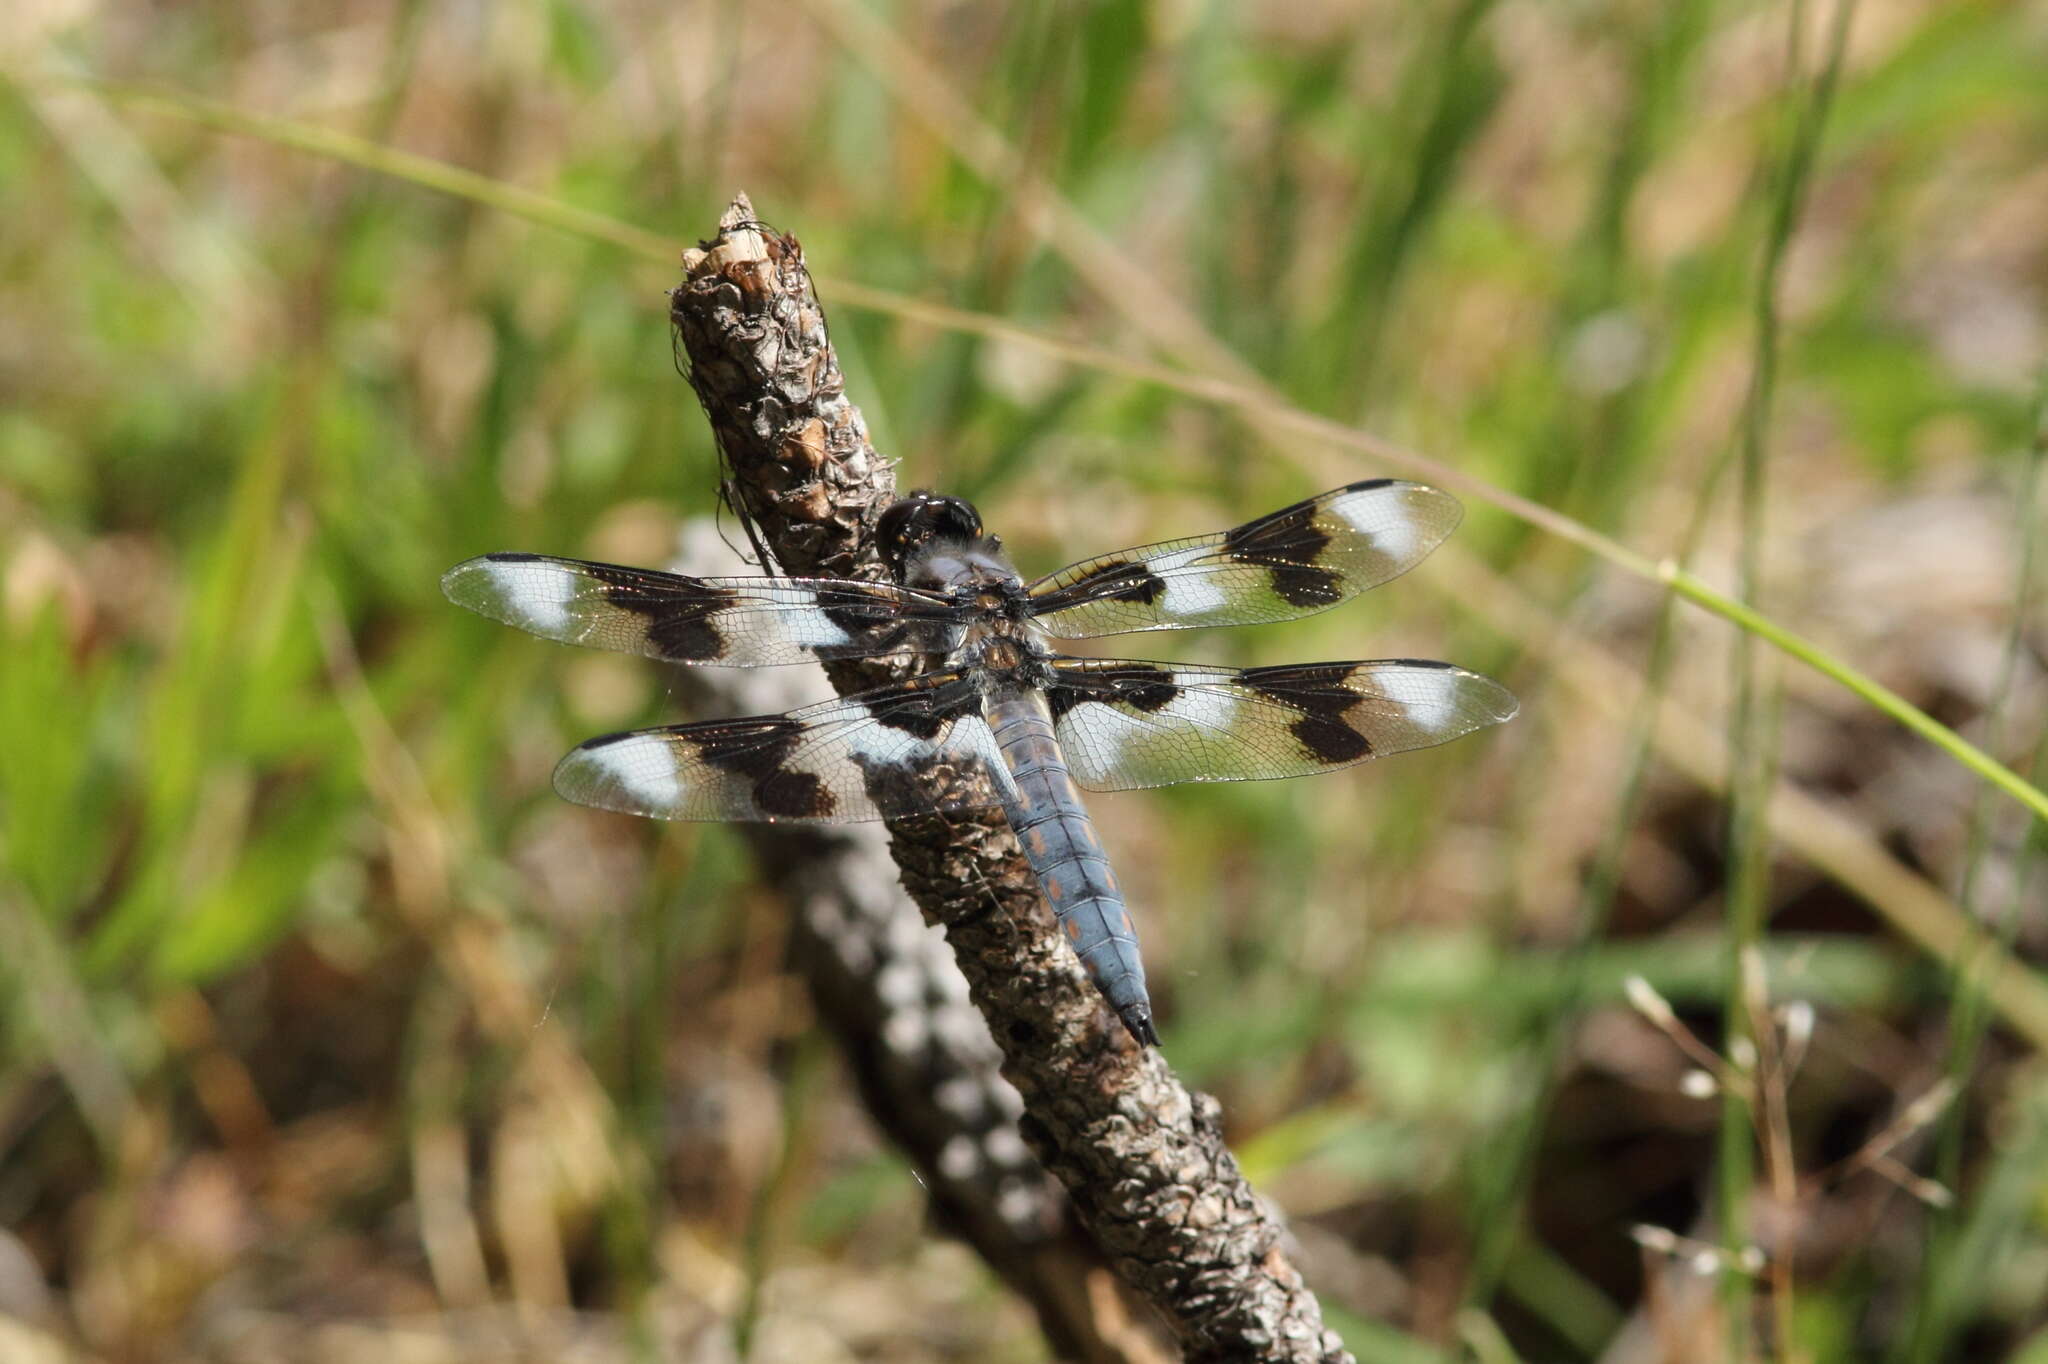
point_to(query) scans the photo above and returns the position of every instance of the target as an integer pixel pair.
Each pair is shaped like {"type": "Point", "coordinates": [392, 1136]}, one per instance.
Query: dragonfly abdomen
{"type": "Point", "coordinates": [1059, 842]}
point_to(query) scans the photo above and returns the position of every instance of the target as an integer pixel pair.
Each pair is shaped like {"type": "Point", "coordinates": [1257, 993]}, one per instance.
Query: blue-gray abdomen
{"type": "Point", "coordinates": [1060, 843]}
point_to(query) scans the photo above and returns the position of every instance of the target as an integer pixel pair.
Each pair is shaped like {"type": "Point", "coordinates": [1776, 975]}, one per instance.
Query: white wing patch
{"type": "Point", "coordinates": [629, 774]}
{"type": "Point", "coordinates": [532, 594]}
{"type": "Point", "coordinates": [1107, 742]}
{"type": "Point", "coordinates": [1188, 592]}
{"type": "Point", "coordinates": [1404, 527]}
{"type": "Point", "coordinates": [815, 630]}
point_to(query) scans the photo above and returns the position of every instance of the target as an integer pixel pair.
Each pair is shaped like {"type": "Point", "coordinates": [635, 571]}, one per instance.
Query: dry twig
{"type": "Point", "coordinates": [1142, 1159]}
{"type": "Point", "coordinates": [888, 992]}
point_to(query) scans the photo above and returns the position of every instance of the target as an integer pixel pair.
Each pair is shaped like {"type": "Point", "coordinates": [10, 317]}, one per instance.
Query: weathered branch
{"type": "Point", "coordinates": [1142, 1159]}
{"type": "Point", "coordinates": [887, 989]}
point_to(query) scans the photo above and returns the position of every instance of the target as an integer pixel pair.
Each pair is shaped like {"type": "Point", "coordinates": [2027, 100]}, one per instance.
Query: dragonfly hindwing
{"type": "Point", "coordinates": [1124, 724]}
{"type": "Point", "coordinates": [921, 747]}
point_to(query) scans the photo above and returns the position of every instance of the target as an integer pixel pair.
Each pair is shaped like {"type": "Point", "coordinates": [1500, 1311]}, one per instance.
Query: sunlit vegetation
{"type": "Point", "coordinates": [322, 1018]}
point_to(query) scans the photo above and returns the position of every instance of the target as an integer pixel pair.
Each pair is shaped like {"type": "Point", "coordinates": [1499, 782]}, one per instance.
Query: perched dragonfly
{"type": "Point", "coordinates": [996, 702]}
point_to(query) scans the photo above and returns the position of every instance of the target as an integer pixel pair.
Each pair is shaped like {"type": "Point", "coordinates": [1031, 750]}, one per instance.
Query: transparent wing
{"type": "Point", "coordinates": [915, 748]}
{"type": "Point", "coordinates": [1124, 724]}
{"type": "Point", "coordinates": [701, 620]}
{"type": "Point", "coordinates": [1292, 562]}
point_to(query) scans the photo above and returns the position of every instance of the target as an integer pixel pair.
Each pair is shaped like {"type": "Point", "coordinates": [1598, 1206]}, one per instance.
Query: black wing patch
{"type": "Point", "coordinates": [1124, 724]}
{"type": "Point", "coordinates": [703, 620]}
{"type": "Point", "coordinates": [1292, 562]}
{"type": "Point", "coordinates": [911, 749]}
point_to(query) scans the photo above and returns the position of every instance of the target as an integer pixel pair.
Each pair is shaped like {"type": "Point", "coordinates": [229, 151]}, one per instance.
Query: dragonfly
{"type": "Point", "coordinates": [993, 715]}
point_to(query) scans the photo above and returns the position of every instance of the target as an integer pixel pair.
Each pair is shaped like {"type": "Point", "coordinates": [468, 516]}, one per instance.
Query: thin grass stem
{"type": "Point", "coordinates": [1218, 392]}
{"type": "Point", "coordinates": [1970, 1009]}
{"type": "Point", "coordinates": [1753, 738]}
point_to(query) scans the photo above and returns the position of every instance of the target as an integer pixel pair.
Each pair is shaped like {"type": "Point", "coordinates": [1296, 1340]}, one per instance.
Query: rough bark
{"type": "Point", "coordinates": [887, 990]}
{"type": "Point", "coordinates": [1142, 1159]}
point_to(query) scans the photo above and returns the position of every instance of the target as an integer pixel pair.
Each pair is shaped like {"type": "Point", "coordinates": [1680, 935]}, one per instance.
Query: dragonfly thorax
{"type": "Point", "coordinates": [1007, 655]}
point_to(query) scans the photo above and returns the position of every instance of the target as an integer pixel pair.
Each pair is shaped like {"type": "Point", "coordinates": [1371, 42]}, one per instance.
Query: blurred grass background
{"type": "Point", "coordinates": [328, 1028]}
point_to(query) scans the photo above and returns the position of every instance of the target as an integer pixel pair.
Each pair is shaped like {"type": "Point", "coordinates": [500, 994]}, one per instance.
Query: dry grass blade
{"type": "Point", "coordinates": [1831, 840]}
{"type": "Point", "coordinates": [51, 997]}
{"type": "Point", "coordinates": [1824, 834]}
{"type": "Point", "coordinates": [1126, 286]}
{"type": "Point", "coordinates": [1254, 403]}
{"type": "Point", "coordinates": [1754, 729]}
{"type": "Point", "coordinates": [408, 1053]}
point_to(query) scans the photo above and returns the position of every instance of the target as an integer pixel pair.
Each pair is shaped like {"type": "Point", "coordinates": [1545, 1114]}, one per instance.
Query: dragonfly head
{"type": "Point", "coordinates": [916, 523]}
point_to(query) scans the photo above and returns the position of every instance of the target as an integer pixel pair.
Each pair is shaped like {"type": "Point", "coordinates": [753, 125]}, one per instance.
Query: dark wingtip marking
{"type": "Point", "coordinates": [1331, 741]}
{"type": "Point", "coordinates": [1287, 543]}
{"type": "Point", "coordinates": [1315, 686]}
{"type": "Point", "coordinates": [1118, 580]}
{"type": "Point", "coordinates": [927, 709]}
{"type": "Point", "coordinates": [1366, 485]}
{"type": "Point", "coordinates": [1307, 586]}
{"type": "Point", "coordinates": [686, 639]}
{"type": "Point", "coordinates": [1147, 688]}
{"type": "Point", "coordinates": [601, 741]}
{"type": "Point", "coordinates": [793, 795]}
{"type": "Point", "coordinates": [509, 556]}
{"type": "Point", "coordinates": [918, 724]}
{"type": "Point", "coordinates": [1141, 686]}
{"type": "Point", "coordinates": [680, 633]}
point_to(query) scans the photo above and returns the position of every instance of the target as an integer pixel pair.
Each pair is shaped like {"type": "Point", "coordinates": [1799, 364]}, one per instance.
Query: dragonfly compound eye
{"type": "Point", "coordinates": [921, 518]}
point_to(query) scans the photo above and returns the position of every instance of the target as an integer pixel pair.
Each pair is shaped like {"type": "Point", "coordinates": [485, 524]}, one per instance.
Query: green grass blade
{"type": "Point", "coordinates": [1224, 393]}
